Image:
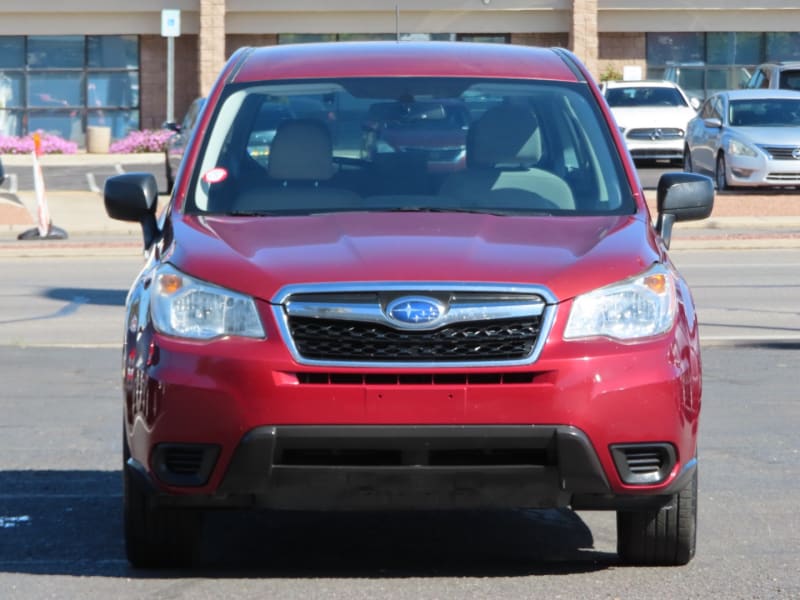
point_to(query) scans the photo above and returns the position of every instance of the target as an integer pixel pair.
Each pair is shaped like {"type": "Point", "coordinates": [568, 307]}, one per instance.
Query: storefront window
{"type": "Point", "coordinates": [703, 63]}
{"type": "Point", "coordinates": [302, 38]}
{"type": "Point", "coordinates": [113, 51]}
{"type": "Point", "coordinates": [11, 89]}
{"type": "Point", "coordinates": [12, 52]}
{"type": "Point", "coordinates": [51, 90]}
{"type": "Point", "coordinates": [783, 46]}
{"type": "Point", "coordinates": [61, 84]}
{"type": "Point", "coordinates": [675, 47]}
{"type": "Point", "coordinates": [56, 51]}
{"type": "Point", "coordinates": [66, 124]}
{"type": "Point", "coordinates": [734, 48]}
{"type": "Point", "coordinates": [486, 38]}
{"type": "Point", "coordinates": [305, 38]}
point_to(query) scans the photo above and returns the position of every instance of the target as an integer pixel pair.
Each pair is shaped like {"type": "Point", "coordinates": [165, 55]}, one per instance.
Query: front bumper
{"type": "Point", "coordinates": [656, 149]}
{"type": "Point", "coordinates": [401, 468]}
{"type": "Point", "coordinates": [761, 171]}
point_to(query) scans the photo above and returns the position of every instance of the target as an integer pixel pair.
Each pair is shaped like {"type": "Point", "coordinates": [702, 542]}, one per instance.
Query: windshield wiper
{"type": "Point", "coordinates": [442, 209]}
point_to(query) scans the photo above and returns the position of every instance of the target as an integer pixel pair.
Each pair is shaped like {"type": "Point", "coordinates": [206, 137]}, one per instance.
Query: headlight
{"type": "Point", "coordinates": [741, 149]}
{"type": "Point", "coordinates": [189, 308]}
{"type": "Point", "coordinates": [633, 309]}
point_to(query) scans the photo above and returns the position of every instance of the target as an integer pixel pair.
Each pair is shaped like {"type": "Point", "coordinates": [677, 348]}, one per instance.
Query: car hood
{"type": "Point", "coordinates": [768, 136]}
{"type": "Point", "coordinates": [649, 117]}
{"type": "Point", "coordinates": [261, 255]}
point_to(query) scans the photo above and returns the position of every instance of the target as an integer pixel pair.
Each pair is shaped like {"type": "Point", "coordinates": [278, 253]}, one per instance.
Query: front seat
{"type": "Point", "coordinates": [504, 149]}
{"type": "Point", "coordinates": [299, 172]}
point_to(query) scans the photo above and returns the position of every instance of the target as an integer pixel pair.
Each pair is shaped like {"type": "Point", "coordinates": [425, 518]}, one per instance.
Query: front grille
{"type": "Point", "coordinates": [655, 133]}
{"type": "Point", "coordinates": [781, 152]}
{"type": "Point", "coordinates": [643, 463]}
{"type": "Point", "coordinates": [335, 340]}
{"type": "Point", "coordinates": [784, 177]}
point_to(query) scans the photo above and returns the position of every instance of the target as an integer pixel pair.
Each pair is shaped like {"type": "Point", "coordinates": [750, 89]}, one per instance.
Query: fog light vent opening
{"type": "Point", "coordinates": [642, 464]}
{"type": "Point", "coordinates": [184, 464]}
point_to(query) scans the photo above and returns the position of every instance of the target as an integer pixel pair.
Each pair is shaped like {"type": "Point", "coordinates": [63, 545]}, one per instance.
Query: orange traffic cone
{"type": "Point", "coordinates": [45, 230]}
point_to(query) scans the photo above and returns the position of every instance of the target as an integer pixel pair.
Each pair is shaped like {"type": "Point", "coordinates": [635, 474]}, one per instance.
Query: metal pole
{"type": "Point", "coordinates": [171, 79]}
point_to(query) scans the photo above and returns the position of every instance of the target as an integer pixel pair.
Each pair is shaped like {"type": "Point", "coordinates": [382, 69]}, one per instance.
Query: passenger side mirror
{"type": "Point", "coordinates": [682, 197]}
{"type": "Point", "coordinates": [134, 197]}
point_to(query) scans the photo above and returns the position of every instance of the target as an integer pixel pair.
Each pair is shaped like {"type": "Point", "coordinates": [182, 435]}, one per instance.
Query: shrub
{"type": "Point", "coordinates": [51, 144]}
{"type": "Point", "coordinates": [146, 140]}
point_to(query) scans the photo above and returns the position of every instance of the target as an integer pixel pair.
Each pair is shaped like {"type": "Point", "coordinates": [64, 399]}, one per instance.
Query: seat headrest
{"type": "Point", "coordinates": [302, 150]}
{"type": "Point", "coordinates": [504, 135]}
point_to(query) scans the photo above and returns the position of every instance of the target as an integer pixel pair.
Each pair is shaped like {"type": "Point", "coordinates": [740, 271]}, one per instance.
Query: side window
{"type": "Point", "coordinates": [765, 79]}
{"type": "Point", "coordinates": [707, 112]}
{"type": "Point", "coordinates": [756, 79]}
{"type": "Point", "coordinates": [716, 109]}
{"type": "Point", "coordinates": [790, 80]}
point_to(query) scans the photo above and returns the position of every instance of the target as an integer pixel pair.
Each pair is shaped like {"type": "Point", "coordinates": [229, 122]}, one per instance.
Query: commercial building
{"type": "Point", "coordinates": [66, 66]}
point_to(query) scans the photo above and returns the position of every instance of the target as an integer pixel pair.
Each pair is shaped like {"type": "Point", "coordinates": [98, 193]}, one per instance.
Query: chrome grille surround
{"type": "Point", "coordinates": [782, 152]}
{"type": "Point", "coordinates": [655, 133]}
{"type": "Point", "coordinates": [470, 305]}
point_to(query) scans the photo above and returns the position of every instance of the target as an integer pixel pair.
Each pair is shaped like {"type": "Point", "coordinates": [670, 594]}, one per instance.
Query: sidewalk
{"type": "Point", "coordinates": [740, 220]}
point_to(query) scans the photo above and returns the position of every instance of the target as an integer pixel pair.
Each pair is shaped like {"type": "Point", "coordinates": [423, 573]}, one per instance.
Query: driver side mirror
{"type": "Point", "coordinates": [682, 197]}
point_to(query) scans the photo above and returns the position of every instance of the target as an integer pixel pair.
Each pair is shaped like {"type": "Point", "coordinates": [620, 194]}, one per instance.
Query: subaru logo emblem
{"type": "Point", "coordinates": [796, 153]}
{"type": "Point", "coordinates": [415, 310]}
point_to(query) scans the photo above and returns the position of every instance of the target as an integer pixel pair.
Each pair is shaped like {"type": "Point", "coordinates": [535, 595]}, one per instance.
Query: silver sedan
{"type": "Point", "coordinates": [746, 138]}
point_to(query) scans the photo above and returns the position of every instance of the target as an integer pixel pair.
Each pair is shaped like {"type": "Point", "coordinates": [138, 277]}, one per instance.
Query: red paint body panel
{"type": "Point", "coordinates": [217, 392]}
{"type": "Point", "coordinates": [259, 256]}
{"type": "Point", "coordinates": [407, 59]}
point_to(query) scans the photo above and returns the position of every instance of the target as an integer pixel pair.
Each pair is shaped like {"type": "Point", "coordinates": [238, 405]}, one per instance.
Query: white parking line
{"type": "Point", "coordinates": [92, 183]}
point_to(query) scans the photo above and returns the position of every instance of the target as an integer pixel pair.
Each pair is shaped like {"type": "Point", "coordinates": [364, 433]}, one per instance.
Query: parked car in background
{"type": "Point", "coordinates": [176, 144]}
{"type": "Point", "coordinates": [746, 138]}
{"type": "Point", "coordinates": [652, 116]}
{"type": "Point", "coordinates": [776, 76]}
{"type": "Point", "coordinates": [311, 332]}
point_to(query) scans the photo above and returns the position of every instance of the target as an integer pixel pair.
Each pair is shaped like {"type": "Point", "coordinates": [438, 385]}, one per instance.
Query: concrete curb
{"type": "Point", "coordinates": [81, 159]}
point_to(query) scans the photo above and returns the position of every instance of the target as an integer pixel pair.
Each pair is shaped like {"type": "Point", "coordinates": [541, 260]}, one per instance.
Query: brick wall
{"type": "Point", "coordinates": [153, 78]}
{"type": "Point", "coordinates": [617, 50]}
{"type": "Point", "coordinates": [583, 34]}
{"type": "Point", "coordinates": [211, 55]}
{"type": "Point", "coordinates": [235, 41]}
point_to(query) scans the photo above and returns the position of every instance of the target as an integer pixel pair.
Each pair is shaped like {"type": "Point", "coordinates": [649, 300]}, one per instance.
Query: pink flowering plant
{"type": "Point", "coordinates": [146, 140]}
{"type": "Point", "coordinates": [51, 144]}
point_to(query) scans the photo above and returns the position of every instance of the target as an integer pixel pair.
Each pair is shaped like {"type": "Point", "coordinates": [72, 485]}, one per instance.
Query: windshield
{"type": "Point", "coordinates": [620, 97]}
{"type": "Point", "coordinates": [498, 146]}
{"type": "Point", "coordinates": [766, 112]}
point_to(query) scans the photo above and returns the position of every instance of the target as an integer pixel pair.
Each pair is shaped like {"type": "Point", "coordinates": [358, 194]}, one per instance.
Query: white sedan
{"type": "Point", "coordinates": [747, 138]}
{"type": "Point", "coordinates": [652, 116]}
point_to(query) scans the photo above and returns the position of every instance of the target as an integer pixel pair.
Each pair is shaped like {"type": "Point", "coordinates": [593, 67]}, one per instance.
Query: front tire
{"type": "Point", "coordinates": [666, 536]}
{"type": "Point", "coordinates": [156, 537]}
{"type": "Point", "coordinates": [720, 174]}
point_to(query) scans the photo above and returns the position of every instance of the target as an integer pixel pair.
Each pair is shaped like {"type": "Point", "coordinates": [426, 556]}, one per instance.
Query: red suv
{"type": "Point", "coordinates": [313, 330]}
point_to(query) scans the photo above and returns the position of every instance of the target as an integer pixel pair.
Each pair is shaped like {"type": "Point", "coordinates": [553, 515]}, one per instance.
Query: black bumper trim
{"type": "Point", "coordinates": [408, 467]}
